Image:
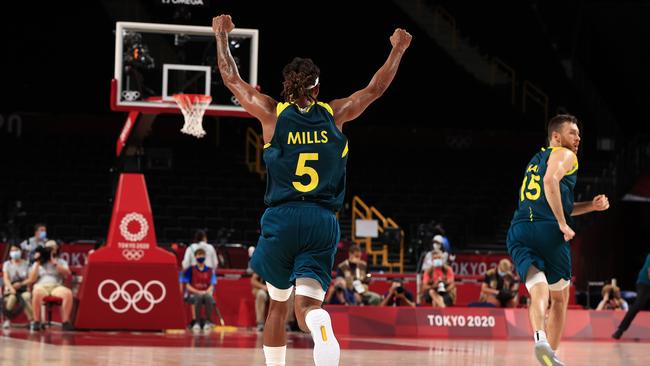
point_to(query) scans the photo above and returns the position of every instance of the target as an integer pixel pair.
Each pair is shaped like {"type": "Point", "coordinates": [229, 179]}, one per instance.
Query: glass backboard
{"type": "Point", "coordinates": [155, 61]}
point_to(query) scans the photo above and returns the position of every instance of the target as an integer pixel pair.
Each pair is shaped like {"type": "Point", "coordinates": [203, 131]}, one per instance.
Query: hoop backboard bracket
{"type": "Point", "coordinates": [155, 61]}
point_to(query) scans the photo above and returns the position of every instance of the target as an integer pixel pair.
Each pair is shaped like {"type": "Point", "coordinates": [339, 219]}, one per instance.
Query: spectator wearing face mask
{"type": "Point", "coordinates": [500, 287]}
{"type": "Point", "coordinates": [438, 287]}
{"type": "Point", "coordinates": [29, 246]}
{"type": "Point", "coordinates": [16, 294]}
{"type": "Point", "coordinates": [612, 299]}
{"type": "Point", "coordinates": [200, 242]}
{"type": "Point", "coordinates": [438, 243]}
{"type": "Point", "coordinates": [199, 281]}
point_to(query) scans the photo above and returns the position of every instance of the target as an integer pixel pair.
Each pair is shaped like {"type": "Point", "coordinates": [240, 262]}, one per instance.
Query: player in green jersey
{"type": "Point", "coordinates": [305, 153]}
{"type": "Point", "coordinates": [538, 239]}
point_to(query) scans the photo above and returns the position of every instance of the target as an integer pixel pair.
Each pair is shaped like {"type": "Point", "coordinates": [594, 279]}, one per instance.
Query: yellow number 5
{"type": "Point", "coordinates": [533, 186]}
{"type": "Point", "coordinates": [302, 169]}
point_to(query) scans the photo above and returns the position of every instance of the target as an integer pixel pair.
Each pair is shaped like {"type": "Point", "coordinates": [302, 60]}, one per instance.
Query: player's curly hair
{"type": "Point", "coordinates": [299, 75]}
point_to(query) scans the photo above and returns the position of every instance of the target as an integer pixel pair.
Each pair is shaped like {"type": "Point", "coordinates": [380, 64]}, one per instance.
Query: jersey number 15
{"type": "Point", "coordinates": [533, 190]}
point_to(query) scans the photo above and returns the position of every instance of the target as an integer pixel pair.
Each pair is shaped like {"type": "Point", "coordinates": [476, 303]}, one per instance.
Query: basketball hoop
{"type": "Point", "coordinates": [193, 107]}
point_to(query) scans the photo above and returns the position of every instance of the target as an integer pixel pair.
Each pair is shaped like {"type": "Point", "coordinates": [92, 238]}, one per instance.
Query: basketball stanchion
{"type": "Point", "coordinates": [222, 327]}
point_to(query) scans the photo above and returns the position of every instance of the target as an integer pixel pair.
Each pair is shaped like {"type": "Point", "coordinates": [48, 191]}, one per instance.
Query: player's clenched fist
{"type": "Point", "coordinates": [401, 39]}
{"type": "Point", "coordinates": [222, 23]}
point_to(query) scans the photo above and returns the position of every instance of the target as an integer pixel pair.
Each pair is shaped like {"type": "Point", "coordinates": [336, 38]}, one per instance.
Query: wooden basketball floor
{"type": "Point", "coordinates": [54, 347]}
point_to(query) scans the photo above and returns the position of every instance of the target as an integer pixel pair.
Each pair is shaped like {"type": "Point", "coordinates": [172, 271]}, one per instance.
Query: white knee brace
{"type": "Point", "coordinates": [310, 287]}
{"type": "Point", "coordinates": [277, 294]}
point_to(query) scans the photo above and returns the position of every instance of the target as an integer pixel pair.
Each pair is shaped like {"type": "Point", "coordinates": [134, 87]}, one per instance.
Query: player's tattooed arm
{"type": "Point", "coordinates": [257, 104]}
{"type": "Point", "coordinates": [559, 163]}
{"type": "Point", "coordinates": [347, 109]}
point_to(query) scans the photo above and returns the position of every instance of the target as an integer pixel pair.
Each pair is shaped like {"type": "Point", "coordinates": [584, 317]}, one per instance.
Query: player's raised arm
{"type": "Point", "coordinates": [347, 109]}
{"type": "Point", "coordinates": [559, 163]}
{"type": "Point", "coordinates": [257, 104]}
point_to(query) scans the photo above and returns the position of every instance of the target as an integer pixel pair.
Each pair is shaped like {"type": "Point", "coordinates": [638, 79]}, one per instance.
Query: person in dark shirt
{"type": "Point", "coordinates": [500, 286]}
{"type": "Point", "coordinates": [398, 295]}
{"type": "Point", "coordinates": [642, 299]}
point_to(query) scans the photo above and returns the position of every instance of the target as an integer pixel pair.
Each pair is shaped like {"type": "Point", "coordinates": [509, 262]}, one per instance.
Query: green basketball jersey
{"type": "Point", "coordinates": [306, 158]}
{"type": "Point", "coordinates": [532, 200]}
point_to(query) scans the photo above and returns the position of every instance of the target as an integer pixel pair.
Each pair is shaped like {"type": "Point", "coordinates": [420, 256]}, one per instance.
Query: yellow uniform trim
{"type": "Point", "coordinates": [323, 333]}
{"type": "Point", "coordinates": [268, 144]}
{"type": "Point", "coordinates": [575, 167]}
{"type": "Point", "coordinates": [326, 106]}
{"type": "Point", "coordinates": [281, 107]}
{"type": "Point", "coordinates": [345, 150]}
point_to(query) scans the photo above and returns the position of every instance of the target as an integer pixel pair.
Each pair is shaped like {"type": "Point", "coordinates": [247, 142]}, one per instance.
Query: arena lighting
{"type": "Point", "coordinates": [234, 44]}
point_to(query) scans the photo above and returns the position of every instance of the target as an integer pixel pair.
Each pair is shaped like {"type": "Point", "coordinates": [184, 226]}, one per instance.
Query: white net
{"type": "Point", "coordinates": [193, 107]}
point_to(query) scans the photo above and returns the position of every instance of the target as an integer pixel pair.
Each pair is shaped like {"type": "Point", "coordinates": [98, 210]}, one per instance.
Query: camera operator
{"type": "Point", "coordinates": [438, 287]}
{"type": "Point", "coordinates": [398, 295]}
{"type": "Point", "coordinates": [500, 287]}
{"type": "Point", "coordinates": [48, 273]}
{"type": "Point", "coordinates": [354, 272]}
{"type": "Point", "coordinates": [612, 299]}
{"type": "Point", "coordinates": [339, 294]}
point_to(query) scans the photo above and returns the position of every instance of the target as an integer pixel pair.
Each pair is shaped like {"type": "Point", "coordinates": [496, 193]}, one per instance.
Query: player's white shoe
{"type": "Point", "coordinates": [545, 355]}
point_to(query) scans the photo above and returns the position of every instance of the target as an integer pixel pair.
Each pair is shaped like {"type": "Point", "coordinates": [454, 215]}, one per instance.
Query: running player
{"type": "Point", "coordinates": [538, 239]}
{"type": "Point", "coordinates": [305, 154]}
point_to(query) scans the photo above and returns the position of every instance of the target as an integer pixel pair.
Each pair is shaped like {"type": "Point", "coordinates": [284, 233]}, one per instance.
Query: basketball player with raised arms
{"type": "Point", "coordinates": [538, 238]}
{"type": "Point", "coordinates": [305, 153]}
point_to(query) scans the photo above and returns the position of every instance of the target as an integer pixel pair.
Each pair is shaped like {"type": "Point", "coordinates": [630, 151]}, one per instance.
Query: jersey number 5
{"type": "Point", "coordinates": [302, 169]}
{"type": "Point", "coordinates": [533, 190]}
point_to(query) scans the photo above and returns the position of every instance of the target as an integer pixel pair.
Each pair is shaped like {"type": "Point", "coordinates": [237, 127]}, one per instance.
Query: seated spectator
{"type": "Point", "coordinates": [500, 286]}
{"type": "Point", "coordinates": [16, 296]}
{"type": "Point", "coordinates": [48, 273]}
{"type": "Point", "coordinates": [438, 287]}
{"type": "Point", "coordinates": [339, 294]}
{"type": "Point", "coordinates": [261, 299]}
{"type": "Point", "coordinates": [354, 272]}
{"type": "Point", "coordinates": [438, 243]}
{"type": "Point", "coordinates": [189, 258]}
{"type": "Point", "coordinates": [398, 295]}
{"type": "Point", "coordinates": [200, 242]}
{"type": "Point", "coordinates": [199, 281]}
{"type": "Point", "coordinates": [28, 246]}
{"type": "Point", "coordinates": [612, 299]}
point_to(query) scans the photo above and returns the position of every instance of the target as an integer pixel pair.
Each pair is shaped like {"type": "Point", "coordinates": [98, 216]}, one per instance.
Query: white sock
{"type": "Point", "coordinates": [540, 336]}
{"type": "Point", "coordinates": [275, 356]}
{"type": "Point", "coordinates": [326, 348]}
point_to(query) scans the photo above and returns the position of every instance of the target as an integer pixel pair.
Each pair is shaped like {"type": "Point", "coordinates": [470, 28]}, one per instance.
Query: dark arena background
{"type": "Point", "coordinates": [93, 163]}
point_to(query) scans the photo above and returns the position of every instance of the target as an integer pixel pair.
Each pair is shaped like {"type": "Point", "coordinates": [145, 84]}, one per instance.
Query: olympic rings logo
{"type": "Point", "coordinates": [133, 254]}
{"type": "Point", "coordinates": [131, 300]}
{"type": "Point", "coordinates": [124, 226]}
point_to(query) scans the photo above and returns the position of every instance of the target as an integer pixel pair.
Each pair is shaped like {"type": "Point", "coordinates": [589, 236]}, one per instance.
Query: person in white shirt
{"type": "Point", "coordinates": [438, 244]}
{"type": "Point", "coordinates": [28, 246]}
{"type": "Point", "coordinates": [14, 273]}
{"type": "Point", "coordinates": [200, 242]}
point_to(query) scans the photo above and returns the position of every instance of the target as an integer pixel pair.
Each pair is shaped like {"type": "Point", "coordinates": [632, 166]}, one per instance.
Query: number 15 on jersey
{"type": "Point", "coordinates": [530, 188]}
